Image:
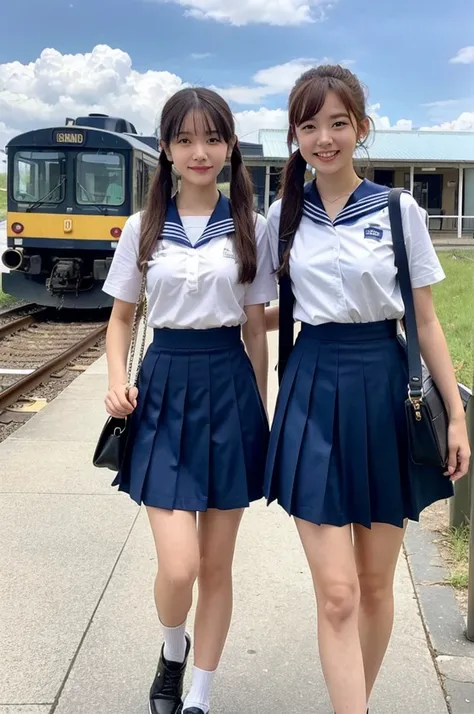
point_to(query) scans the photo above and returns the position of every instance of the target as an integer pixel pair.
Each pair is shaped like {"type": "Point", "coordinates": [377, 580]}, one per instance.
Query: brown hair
{"type": "Point", "coordinates": [218, 117]}
{"type": "Point", "coordinates": [307, 99]}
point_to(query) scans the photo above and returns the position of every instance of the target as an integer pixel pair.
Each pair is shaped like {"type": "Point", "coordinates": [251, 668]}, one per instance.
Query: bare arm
{"type": "Point", "coordinates": [120, 401]}
{"type": "Point", "coordinates": [255, 338]}
{"type": "Point", "coordinates": [435, 352]}
{"type": "Point", "coordinates": [271, 318]}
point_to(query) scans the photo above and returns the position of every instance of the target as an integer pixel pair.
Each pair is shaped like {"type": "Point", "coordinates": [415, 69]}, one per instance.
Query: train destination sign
{"type": "Point", "coordinates": [69, 137]}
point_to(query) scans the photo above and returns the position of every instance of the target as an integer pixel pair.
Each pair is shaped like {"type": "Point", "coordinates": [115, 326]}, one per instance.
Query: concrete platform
{"type": "Point", "coordinates": [78, 628]}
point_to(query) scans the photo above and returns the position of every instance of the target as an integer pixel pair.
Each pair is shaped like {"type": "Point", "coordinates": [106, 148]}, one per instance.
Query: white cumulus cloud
{"type": "Point", "coordinates": [464, 56]}
{"type": "Point", "coordinates": [383, 122]}
{"type": "Point", "coordinates": [247, 12]}
{"type": "Point", "coordinates": [278, 79]}
{"type": "Point", "coordinates": [44, 92]}
{"type": "Point", "coordinates": [56, 86]}
{"type": "Point", "coordinates": [464, 122]}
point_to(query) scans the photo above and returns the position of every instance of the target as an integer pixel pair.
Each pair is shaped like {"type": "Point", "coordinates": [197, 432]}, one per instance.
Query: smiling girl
{"type": "Point", "coordinates": [199, 430]}
{"type": "Point", "coordinates": [338, 456]}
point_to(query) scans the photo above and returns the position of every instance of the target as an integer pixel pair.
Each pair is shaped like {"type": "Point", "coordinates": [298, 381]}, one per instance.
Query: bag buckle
{"type": "Point", "coordinates": [416, 400]}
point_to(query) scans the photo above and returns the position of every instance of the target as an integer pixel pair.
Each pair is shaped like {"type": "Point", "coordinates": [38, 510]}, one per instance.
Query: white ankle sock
{"type": "Point", "coordinates": [175, 643]}
{"type": "Point", "coordinates": [199, 693]}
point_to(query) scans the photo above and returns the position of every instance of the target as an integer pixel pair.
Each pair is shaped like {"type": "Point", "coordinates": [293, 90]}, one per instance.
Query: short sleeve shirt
{"type": "Point", "coordinates": [344, 270]}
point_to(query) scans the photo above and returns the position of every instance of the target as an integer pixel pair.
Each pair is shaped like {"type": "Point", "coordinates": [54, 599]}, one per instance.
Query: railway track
{"type": "Point", "coordinates": [34, 347]}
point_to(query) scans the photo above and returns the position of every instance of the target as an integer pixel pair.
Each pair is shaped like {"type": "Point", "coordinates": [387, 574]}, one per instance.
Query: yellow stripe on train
{"type": "Point", "coordinates": [65, 226]}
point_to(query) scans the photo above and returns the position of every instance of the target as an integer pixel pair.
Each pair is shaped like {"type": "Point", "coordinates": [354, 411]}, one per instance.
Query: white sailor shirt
{"type": "Point", "coordinates": [344, 270]}
{"type": "Point", "coordinates": [192, 278]}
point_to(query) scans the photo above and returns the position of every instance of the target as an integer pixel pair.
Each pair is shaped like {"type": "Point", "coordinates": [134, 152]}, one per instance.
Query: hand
{"type": "Point", "coordinates": [459, 451]}
{"type": "Point", "coordinates": [121, 400]}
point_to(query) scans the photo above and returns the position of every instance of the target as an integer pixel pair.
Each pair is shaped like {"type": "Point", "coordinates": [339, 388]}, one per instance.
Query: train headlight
{"type": "Point", "coordinates": [115, 232]}
{"type": "Point", "coordinates": [18, 228]}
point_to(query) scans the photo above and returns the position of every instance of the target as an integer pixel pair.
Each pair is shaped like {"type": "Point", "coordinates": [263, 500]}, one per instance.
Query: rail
{"type": "Point", "coordinates": [8, 328]}
{"type": "Point", "coordinates": [31, 380]}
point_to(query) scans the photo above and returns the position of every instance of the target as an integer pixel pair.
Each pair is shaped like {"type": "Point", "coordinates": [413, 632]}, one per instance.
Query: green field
{"type": "Point", "coordinates": [454, 302]}
{"type": "Point", "coordinates": [3, 196]}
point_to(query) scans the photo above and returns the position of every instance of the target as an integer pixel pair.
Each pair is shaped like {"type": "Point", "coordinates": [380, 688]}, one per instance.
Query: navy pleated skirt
{"type": "Point", "coordinates": [199, 434]}
{"type": "Point", "coordinates": [338, 450]}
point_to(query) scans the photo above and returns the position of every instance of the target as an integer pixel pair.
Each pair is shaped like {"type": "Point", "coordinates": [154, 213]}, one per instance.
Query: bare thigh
{"type": "Point", "coordinates": [217, 533]}
{"type": "Point", "coordinates": [376, 554]}
{"type": "Point", "coordinates": [330, 554]}
{"type": "Point", "coordinates": [176, 543]}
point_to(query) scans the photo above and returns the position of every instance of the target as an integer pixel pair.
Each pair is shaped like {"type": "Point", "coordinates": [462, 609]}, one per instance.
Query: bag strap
{"type": "Point", "coordinates": [285, 319]}
{"type": "Point", "coordinates": [415, 383]}
{"type": "Point", "coordinates": [141, 310]}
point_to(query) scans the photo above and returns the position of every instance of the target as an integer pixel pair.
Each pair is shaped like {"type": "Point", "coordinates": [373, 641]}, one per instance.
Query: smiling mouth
{"type": "Point", "coordinates": [200, 169]}
{"type": "Point", "coordinates": [326, 155]}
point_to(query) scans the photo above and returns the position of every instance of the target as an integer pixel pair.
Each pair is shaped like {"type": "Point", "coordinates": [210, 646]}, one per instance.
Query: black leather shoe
{"type": "Point", "coordinates": [167, 689]}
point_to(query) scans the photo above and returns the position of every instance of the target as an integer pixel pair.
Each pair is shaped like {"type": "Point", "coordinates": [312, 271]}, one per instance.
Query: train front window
{"type": "Point", "coordinates": [39, 176]}
{"type": "Point", "coordinates": [100, 179]}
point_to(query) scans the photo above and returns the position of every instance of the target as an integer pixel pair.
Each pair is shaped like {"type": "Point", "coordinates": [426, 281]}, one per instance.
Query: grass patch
{"type": "Point", "coordinates": [6, 300]}
{"type": "Point", "coordinates": [3, 196]}
{"type": "Point", "coordinates": [454, 302]}
{"type": "Point", "coordinates": [457, 542]}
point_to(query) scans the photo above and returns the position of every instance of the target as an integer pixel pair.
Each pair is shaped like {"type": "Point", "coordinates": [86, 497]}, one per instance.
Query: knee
{"type": "Point", "coordinates": [180, 577]}
{"type": "Point", "coordinates": [214, 573]}
{"type": "Point", "coordinates": [375, 592]}
{"type": "Point", "coordinates": [340, 602]}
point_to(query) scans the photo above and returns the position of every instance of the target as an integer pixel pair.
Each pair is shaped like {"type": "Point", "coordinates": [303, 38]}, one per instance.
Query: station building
{"type": "Point", "coordinates": [436, 166]}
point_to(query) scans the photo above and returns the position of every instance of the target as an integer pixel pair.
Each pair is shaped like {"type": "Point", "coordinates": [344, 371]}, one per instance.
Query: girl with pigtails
{"type": "Point", "coordinates": [338, 455]}
{"type": "Point", "coordinates": [199, 430]}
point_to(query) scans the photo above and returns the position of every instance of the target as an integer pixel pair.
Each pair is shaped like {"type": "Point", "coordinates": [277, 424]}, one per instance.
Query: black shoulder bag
{"type": "Point", "coordinates": [426, 415]}
{"type": "Point", "coordinates": [110, 448]}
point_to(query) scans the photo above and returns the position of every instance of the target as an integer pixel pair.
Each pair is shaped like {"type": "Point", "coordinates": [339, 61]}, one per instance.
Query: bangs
{"type": "Point", "coordinates": [308, 100]}
{"type": "Point", "coordinates": [204, 111]}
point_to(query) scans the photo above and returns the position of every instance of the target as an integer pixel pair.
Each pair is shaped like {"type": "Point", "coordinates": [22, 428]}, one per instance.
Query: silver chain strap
{"type": "Point", "coordinates": [141, 309]}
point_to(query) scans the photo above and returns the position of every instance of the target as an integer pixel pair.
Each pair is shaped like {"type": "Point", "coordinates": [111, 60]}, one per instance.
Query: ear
{"type": "Point", "coordinates": [167, 151]}
{"type": "Point", "coordinates": [364, 129]}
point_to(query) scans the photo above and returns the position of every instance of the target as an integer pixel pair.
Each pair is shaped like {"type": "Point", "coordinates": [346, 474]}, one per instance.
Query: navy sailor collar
{"type": "Point", "coordinates": [220, 223]}
{"type": "Point", "coordinates": [367, 198]}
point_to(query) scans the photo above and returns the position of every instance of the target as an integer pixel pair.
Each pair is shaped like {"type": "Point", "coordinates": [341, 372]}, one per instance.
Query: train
{"type": "Point", "coordinates": [70, 190]}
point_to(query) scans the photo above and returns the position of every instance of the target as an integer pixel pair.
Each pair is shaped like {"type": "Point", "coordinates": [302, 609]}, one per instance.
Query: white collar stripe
{"type": "Point", "coordinates": [355, 217]}
{"type": "Point", "coordinates": [362, 210]}
{"type": "Point", "coordinates": [222, 229]}
{"type": "Point", "coordinates": [317, 218]}
{"type": "Point", "coordinates": [363, 203]}
{"type": "Point", "coordinates": [321, 219]}
{"type": "Point", "coordinates": [315, 209]}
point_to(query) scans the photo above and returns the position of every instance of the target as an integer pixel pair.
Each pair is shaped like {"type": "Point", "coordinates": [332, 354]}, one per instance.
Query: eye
{"type": "Point", "coordinates": [214, 140]}
{"type": "Point", "coordinates": [183, 140]}
{"type": "Point", "coordinates": [307, 127]}
{"type": "Point", "coordinates": [338, 124]}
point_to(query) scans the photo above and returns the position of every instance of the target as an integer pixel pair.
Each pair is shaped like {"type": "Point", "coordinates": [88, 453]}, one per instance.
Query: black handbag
{"type": "Point", "coordinates": [426, 415]}
{"type": "Point", "coordinates": [112, 442]}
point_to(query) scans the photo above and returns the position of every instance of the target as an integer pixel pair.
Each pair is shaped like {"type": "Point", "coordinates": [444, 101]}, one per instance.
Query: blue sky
{"type": "Point", "coordinates": [401, 51]}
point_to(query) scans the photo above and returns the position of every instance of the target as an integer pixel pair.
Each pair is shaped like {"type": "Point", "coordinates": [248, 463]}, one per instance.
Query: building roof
{"type": "Point", "coordinates": [393, 146]}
